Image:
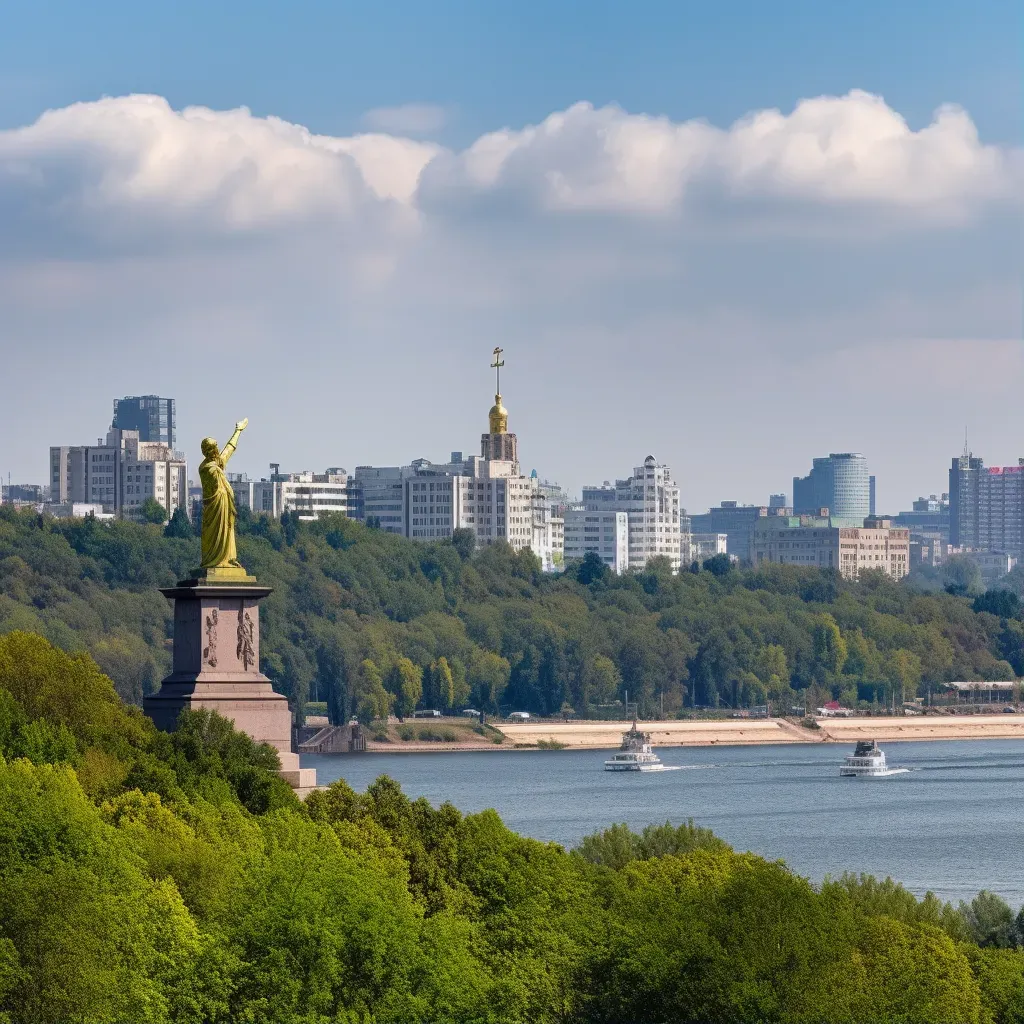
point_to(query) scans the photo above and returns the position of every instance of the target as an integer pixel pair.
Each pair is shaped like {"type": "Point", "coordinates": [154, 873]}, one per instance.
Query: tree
{"type": "Point", "coordinates": [603, 680]}
{"type": "Point", "coordinates": [464, 542]}
{"type": "Point", "coordinates": [829, 649]}
{"type": "Point", "coordinates": [591, 569]}
{"type": "Point", "coordinates": [406, 683]}
{"type": "Point", "coordinates": [961, 576]}
{"type": "Point", "coordinates": [718, 565]}
{"type": "Point", "coordinates": [991, 921]}
{"type": "Point", "coordinates": [179, 526]}
{"type": "Point", "coordinates": [444, 683]}
{"type": "Point", "coordinates": [372, 700]}
{"type": "Point", "coordinates": [151, 511]}
{"type": "Point", "coordinates": [1003, 603]}
{"type": "Point", "coordinates": [903, 674]}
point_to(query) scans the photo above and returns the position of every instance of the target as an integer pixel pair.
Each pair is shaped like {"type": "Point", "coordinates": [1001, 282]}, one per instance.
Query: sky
{"type": "Point", "coordinates": [735, 236]}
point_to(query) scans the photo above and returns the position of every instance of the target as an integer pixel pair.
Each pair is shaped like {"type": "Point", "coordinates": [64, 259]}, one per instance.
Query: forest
{"type": "Point", "coordinates": [158, 878]}
{"type": "Point", "coordinates": [371, 623]}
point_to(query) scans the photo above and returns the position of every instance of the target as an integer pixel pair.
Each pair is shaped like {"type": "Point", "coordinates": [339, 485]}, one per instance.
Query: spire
{"type": "Point", "coordinates": [499, 414]}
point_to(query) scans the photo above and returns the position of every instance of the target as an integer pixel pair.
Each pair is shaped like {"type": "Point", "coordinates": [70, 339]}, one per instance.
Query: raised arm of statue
{"type": "Point", "coordinates": [232, 444]}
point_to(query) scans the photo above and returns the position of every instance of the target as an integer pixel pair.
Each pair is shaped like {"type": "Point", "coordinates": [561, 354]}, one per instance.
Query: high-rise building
{"type": "Point", "coordinates": [840, 483]}
{"type": "Point", "coordinates": [650, 499]}
{"type": "Point", "coordinates": [986, 506]}
{"type": "Point", "coordinates": [964, 473]}
{"type": "Point", "coordinates": [872, 497]}
{"type": "Point", "coordinates": [150, 415]}
{"type": "Point", "coordinates": [776, 500]}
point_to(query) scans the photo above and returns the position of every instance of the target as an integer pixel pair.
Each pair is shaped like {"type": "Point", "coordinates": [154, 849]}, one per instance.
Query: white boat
{"type": "Point", "coordinates": [868, 762]}
{"type": "Point", "coordinates": [635, 754]}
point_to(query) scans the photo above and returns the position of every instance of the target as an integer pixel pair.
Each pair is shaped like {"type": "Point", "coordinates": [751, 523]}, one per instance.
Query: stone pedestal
{"type": "Point", "coordinates": [216, 666]}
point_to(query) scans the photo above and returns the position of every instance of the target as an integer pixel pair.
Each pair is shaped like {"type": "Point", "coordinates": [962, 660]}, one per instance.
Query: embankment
{"type": "Point", "coordinates": [745, 731]}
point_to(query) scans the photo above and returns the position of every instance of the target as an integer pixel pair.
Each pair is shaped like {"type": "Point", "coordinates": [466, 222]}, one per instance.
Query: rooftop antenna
{"type": "Point", "coordinates": [966, 454]}
{"type": "Point", "coordinates": [496, 366]}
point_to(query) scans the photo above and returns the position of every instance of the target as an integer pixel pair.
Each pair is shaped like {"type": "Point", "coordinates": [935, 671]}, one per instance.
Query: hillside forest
{"type": "Point", "coordinates": [372, 624]}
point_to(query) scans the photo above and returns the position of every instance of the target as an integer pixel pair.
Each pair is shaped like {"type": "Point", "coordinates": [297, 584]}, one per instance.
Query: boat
{"type": "Point", "coordinates": [635, 754]}
{"type": "Point", "coordinates": [867, 762]}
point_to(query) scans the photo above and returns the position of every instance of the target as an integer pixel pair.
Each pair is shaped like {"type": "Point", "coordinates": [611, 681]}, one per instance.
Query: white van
{"type": "Point", "coordinates": [519, 716]}
{"type": "Point", "coordinates": [426, 714]}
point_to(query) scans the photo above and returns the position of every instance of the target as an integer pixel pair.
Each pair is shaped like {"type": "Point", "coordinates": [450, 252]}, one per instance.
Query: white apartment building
{"type": "Point", "coordinates": [308, 494]}
{"type": "Point", "coordinates": [814, 542]}
{"type": "Point", "coordinates": [706, 545]}
{"type": "Point", "coordinates": [119, 475]}
{"type": "Point", "coordinates": [482, 495]}
{"type": "Point", "coordinates": [605, 533]}
{"type": "Point", "coordinates": [650, 499]}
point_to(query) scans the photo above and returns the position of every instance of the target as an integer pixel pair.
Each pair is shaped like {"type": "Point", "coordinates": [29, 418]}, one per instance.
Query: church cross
{"type": "Point", "coordinates": [496, 366]}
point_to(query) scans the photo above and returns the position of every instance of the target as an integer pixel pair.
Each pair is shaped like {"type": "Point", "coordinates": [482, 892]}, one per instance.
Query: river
{"type": "Point", "coordinates": [954, 824]}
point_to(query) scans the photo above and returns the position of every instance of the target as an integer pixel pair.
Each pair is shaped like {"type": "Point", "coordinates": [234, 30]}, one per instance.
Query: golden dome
{"type": "Point", "coordinates": [498, 417]}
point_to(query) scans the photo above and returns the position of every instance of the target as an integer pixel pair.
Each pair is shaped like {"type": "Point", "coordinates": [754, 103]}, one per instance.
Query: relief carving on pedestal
{"type": "Point", "coordinates": [246, 651]}
{"type": "Point", "coordinates": [210, 650]}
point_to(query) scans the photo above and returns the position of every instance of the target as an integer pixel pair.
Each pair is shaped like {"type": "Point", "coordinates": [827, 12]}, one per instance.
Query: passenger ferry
{"type": "Point", "coordinates": [635, 754]}
{"type": "Point", "coordinates": [867, 762]}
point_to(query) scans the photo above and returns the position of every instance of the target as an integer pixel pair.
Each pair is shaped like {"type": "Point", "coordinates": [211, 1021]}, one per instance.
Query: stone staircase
{"type": "Point", "coordinates": [332, 739]}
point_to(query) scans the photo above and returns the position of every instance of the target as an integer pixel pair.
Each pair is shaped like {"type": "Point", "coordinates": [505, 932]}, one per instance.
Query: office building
{"type": "Point", "coordinates": [150, 415]}
{"type": "Point", "coordinates": [776, 501]}
{"type": "Point", "coordinates": [603, 532]}
{"type": "Point", "coordinates": [823, 542]}
{"type": "Point", "coordinates": [377, 496]}
{"type": "Point", "coordinates": [986, 506]}
{"type": "Point", "coordinates": [840, 483]}
{"type": "Point", "coordinates": [737, 522]}
{"type": "Point", "coordinates": [650, 499]}
{"type": "Point", "coordinates": [871, 497]}
{"type": "Point", "coordinates": [118, 474]}
{"type": "Point", "coordinates": [310, 495]}
{"type": "Point", "coordinates": [21, 494]}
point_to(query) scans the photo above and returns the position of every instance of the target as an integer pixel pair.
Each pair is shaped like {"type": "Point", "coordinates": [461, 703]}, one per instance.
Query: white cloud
{"type": "Point", "coordinates": [133, 163]}
{"type": "Point", "coordinates": [407, 119]}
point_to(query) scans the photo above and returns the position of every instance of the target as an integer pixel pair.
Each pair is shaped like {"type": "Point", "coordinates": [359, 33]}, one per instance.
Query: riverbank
{"type": "Point", "coordinates": [449, 736]}
{"type": "Point", "coordinates": [750, 732]}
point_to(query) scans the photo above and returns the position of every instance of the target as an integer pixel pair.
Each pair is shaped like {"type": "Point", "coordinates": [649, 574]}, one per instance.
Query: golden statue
{"type": "Point", "coordinates": [219, 554]}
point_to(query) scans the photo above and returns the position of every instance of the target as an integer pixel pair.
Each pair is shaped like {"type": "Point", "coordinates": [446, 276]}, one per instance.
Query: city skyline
{"type": "Point", "coordinates": [771, 241]}
{"type": "Point", "coordinates": [257, 473]}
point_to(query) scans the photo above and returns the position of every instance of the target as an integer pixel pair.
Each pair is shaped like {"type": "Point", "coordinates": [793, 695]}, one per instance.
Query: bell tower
{"type": "Point", "coordinates": [498, 444]}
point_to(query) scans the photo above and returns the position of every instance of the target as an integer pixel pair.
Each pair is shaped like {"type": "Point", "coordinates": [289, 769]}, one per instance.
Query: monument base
{"type": "Point", "coordinates": [219, 574]}
{"type": "Point", "coordinates": [216, 659]}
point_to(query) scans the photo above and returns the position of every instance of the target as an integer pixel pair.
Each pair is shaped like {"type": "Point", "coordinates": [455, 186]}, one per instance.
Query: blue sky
{"type": "Point", "coordinates": [844, 274]}
{"type": "Point", "coordinates": [325, 64]}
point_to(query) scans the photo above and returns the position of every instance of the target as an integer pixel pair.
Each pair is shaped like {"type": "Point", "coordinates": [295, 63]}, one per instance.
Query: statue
{"type": "Point", "coordinates": [219, 555]}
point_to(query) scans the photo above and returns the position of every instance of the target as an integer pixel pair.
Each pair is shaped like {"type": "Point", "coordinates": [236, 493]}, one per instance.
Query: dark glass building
{"type": "Point", "coordinates": [151, 416]}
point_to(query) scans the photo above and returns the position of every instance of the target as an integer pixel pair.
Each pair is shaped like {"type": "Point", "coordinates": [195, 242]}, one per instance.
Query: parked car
{"type": "Point", "coordinates": [519, 716]}
{"type": "Point", "coordinates": [426, 713]}
{"type": "Point", "coordinates": [1009, 711]}
{"type": "Point", "coordinates": [470, 712]}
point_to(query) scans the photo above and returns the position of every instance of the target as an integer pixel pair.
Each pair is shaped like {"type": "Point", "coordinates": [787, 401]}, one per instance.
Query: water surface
{"type": "Point", "coordinates": [955, 824]}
